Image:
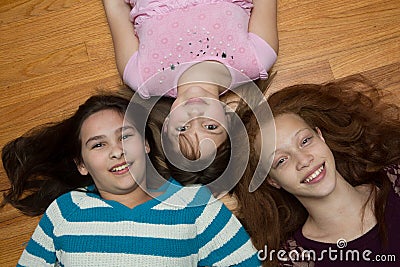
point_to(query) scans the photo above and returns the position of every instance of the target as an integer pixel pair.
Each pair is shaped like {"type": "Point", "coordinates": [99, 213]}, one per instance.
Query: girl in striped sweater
{"type": "Point", "coordinates": [89, 175]}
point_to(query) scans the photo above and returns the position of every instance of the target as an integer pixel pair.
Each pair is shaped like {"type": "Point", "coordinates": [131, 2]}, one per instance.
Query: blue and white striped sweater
{"type": "Point", "coordinates": [81, 229]}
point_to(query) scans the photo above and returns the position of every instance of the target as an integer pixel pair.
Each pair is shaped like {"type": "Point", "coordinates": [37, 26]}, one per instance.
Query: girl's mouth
{"type": "Point", "coordinates": [120, 167]}
{"type": "Point", "coordinates": [314, 175]}
{"type": "Point", "coordinates": [195, 100]}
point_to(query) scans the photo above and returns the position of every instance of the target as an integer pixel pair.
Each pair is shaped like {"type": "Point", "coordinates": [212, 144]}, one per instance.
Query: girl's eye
{"type": "Point", "coordinates": [125, 136]}
{"type": "Point", "coordinates": [306, 140]}
{"type": "Point", "coordinates": [280, 162]}
{"type": "Point", "coordinates": [182, 128]}
{"type": "Point", "coordinates": [211, 126]}
{"type": "Point", "coordinates": [97, 145]}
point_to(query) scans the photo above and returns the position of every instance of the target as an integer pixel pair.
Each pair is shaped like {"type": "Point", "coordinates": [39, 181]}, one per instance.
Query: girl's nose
{"type": "Point", "coordinates": [195, 111]}
{"type": "Point", "coordinates": [117, 151]}
{"type": "Point", "coordinates": [304, 160]}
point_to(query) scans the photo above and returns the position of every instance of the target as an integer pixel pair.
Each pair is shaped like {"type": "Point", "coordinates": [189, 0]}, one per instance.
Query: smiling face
{"type": "Point", "coordinates": [198, 116]}
{"type": "Point", "coordinates": [303, 164]}
{"type": "Point", "coordinates": [104, 158]}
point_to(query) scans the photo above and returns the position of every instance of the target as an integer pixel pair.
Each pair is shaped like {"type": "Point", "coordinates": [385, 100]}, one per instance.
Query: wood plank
{"type": "Point", "coordinates": [33, 39]}
{"type": "Point", "coordinates": [361, 59]}
{"type": "Point", "coordinates": [15, 10]}
{"type": "Point", "coordinates": [15, 232]}
{"type": "Point", "coordinates": [335, 28]}
{"type": "Point", "coordinates": [317, 72]}
{"type": "Point", "coordinates": [56, 53]}
{"type": "Point", "coordinates": [50, 107]}
{"type": "Point", "coordinates": [58, 61]}
{"type": "Point", "coordinates": [40, 86]}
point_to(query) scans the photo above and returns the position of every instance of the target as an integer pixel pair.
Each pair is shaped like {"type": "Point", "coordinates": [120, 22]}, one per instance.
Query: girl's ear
{"type": "Point", "coordinates": [146, 147]}
{"type": "Point", "coordinates": [165, 125]}
{"type": "Point", "coordinates": [81, 168]}
{"type": "Point", "coordinates": [319, 133]}
{"type": "Point", "coordinates": [273, 182]}
{"type": "Point", "coordinates": [228, 116]}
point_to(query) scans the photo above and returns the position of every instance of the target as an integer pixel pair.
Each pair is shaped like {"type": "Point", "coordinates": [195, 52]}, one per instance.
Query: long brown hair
{"type": "Point", "coordinates": [361, 130]}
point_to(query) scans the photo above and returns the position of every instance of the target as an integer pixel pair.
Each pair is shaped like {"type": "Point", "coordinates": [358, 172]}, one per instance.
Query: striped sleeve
{"type": "Point", "coordinates": [40, 250]}
{"type": "Point", "coordinates": [222, 238]}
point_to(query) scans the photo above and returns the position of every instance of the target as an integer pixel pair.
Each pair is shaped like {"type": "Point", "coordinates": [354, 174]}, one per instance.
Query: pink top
{"type": "Point", "coordinates": [175, 32]}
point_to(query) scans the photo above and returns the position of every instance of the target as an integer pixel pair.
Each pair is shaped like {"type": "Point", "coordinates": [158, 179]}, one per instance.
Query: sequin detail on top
{"type": "Point", "coordinates": [215, 31]}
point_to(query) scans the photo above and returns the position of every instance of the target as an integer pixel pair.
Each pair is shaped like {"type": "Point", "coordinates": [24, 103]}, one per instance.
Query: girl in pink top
{"type": "Point", "coordinates": [193, 50]}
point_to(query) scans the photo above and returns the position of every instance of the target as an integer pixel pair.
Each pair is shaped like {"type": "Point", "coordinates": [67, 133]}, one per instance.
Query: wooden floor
{"type": "Point", "coordinates": [56, 53]}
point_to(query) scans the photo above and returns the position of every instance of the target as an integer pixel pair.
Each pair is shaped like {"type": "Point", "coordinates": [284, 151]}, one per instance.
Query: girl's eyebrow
{"type": "Point", "coordinates": [127, 127]}
{"type": "Point", "coordinates": [299, 131]}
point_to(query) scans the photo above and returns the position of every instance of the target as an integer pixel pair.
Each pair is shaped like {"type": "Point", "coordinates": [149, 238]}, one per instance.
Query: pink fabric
{"type": "Point", "coordinates": [176, 34]}
{"type": "Point", "coordinates": [144, 9]}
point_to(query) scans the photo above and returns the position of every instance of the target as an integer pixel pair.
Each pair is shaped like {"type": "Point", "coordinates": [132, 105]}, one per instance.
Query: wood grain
{"type": "Point", "coordinates": [56, 53]}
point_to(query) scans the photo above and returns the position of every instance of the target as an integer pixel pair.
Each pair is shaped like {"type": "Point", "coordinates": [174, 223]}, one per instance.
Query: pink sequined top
{"type": "Point", "coordinates": [176, 34]}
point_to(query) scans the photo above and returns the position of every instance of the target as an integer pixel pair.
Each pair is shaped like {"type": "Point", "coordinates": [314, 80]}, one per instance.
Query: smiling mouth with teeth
{"type": "Point", "coordinates": [314, 175]}
{"type": "Point", "coordinates": [120, 168]}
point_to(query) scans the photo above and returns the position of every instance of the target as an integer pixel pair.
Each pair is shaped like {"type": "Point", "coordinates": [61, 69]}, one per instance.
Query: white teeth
{"type": "Point", "coordinates": [120, 168]}
{"type": "Point", "coordinates": [315, 174]}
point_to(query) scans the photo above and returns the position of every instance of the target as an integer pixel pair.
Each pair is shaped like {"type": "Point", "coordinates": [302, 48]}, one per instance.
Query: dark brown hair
{"type": "Point", "coordinates": [205, 175]}
{"type": "Point", "coordinates": [361, 130]}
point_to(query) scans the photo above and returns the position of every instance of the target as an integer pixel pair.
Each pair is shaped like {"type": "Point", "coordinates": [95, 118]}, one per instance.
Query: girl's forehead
{"type": "Point", "coordinates": [102, 120]}
{"type": "Point", "coordinates": [282, 129]}
{"type": "Point", "coordinates": [106, 115]}
{"type": "Point", "coordinates": [288, 126]}
{"type": "Point", "coordinates": [289, 119]}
